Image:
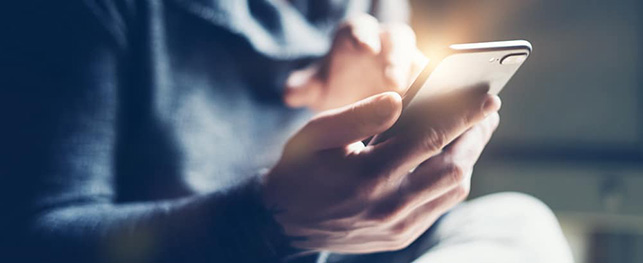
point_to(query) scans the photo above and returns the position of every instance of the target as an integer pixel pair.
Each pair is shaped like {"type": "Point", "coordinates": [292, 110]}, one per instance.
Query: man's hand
{"type": "Point", "coordinates": [339, 195]}
{"type": "Point", "coordinates": [366, 58]}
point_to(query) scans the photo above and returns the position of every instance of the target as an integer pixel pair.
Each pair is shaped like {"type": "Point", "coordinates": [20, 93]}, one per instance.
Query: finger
{"type": "Point", "coordinates": [401, 225]}
{"type": "Point", "coordinates": [359, 33]}
{"type": "Point", "coordinates": [426, 129]}
{"type": "Point", "coordinates": [350, 124]}
{"type": "Point", "coordinates": [414, 225]}
{"type": "Point", "coordinates": [398, 46]}
{"type": "Point", "coordinates": [449, 169]}
{"type": "Point", "coordinates": [469, 146]}
{"type": "Point", "coordinates": [395, 235]}
{"type": "Point", "coordinates": [303, 87]}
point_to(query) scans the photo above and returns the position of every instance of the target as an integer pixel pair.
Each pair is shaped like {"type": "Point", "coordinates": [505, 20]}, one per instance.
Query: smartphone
{"type": "Point", "coordinates": [470, 65]}
{"type": "Point", "coordinates": [462, 66]}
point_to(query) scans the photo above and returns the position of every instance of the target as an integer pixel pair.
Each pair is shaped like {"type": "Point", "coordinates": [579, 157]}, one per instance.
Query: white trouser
{"type": "Point", "coordinates": [498, 228]}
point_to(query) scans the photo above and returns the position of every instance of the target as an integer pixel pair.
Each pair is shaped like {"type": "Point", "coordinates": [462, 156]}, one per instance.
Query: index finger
{"type": "Point", "coordinates": [457, 160]}
{"type": "Point", "coordinates": [424, 130]}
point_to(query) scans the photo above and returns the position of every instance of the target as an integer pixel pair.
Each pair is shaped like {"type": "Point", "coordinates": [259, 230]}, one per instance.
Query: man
{"type": "Point", "coordinates": [151, 131]}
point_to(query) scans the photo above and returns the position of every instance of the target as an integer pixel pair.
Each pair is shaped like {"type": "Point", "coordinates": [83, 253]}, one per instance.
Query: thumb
{"type": "Point", "coordinates": [303, 87]}
{"type": "Point", "coordinates": [352, 123]}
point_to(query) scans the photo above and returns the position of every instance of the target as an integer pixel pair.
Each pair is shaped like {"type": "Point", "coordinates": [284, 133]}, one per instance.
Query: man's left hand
{"type": "Point", "coordinates": [366, 58]}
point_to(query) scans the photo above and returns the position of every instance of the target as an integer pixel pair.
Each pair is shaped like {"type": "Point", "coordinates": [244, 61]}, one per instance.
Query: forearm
{"type": "Point", "coordinates": [219, 227]}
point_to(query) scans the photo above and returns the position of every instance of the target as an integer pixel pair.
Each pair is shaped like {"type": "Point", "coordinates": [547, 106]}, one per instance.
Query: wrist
{"type": "Point", "coordinates": [257, 224]}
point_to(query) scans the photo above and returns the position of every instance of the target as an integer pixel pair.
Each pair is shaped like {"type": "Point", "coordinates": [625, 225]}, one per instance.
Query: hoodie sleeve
{"type": "Point", "coordinates": [59, 97]}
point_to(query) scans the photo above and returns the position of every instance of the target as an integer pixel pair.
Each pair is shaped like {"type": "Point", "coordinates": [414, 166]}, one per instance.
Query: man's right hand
{"type": "Point", "coordinates": [342, 196]}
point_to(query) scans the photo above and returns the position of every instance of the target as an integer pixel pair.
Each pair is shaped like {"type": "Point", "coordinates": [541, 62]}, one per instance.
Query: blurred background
{"type": "Point", "coordinates": [571, 131]}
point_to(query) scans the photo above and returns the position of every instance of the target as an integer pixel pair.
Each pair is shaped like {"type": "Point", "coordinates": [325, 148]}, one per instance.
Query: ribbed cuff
{"type": "Point", "coordinates": [257, 237]}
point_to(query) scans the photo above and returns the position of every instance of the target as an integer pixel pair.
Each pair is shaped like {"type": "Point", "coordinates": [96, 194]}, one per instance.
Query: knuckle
{"type": "Point", "coordinates": [433, 140]}
{"type": "Point", "coordinates": [400, 229]}
{"type": "Point", "coordinates": [470, 117]}
{"type": "Point", "coordinates": [454, 173]}
{"type": "Point", "coordinates": [461, 191]}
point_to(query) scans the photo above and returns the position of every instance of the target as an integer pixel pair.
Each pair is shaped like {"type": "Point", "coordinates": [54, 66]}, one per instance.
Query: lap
{"type": "Point", "coordinates": [504, 227]}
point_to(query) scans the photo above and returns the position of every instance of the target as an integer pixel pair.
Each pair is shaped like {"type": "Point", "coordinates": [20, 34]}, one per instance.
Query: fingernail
{"type": "Point", "coordinates": [491, 105]}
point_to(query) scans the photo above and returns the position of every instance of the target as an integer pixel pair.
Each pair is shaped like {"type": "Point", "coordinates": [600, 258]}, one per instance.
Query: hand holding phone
{"type": "Point", "coordinates": [345, 197]}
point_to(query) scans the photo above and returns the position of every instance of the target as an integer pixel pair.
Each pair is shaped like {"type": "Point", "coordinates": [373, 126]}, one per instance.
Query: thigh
{"type": "Point", "coordinates": [505, 227]}
{"type": "Point", "coordinates": [424, 243]}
